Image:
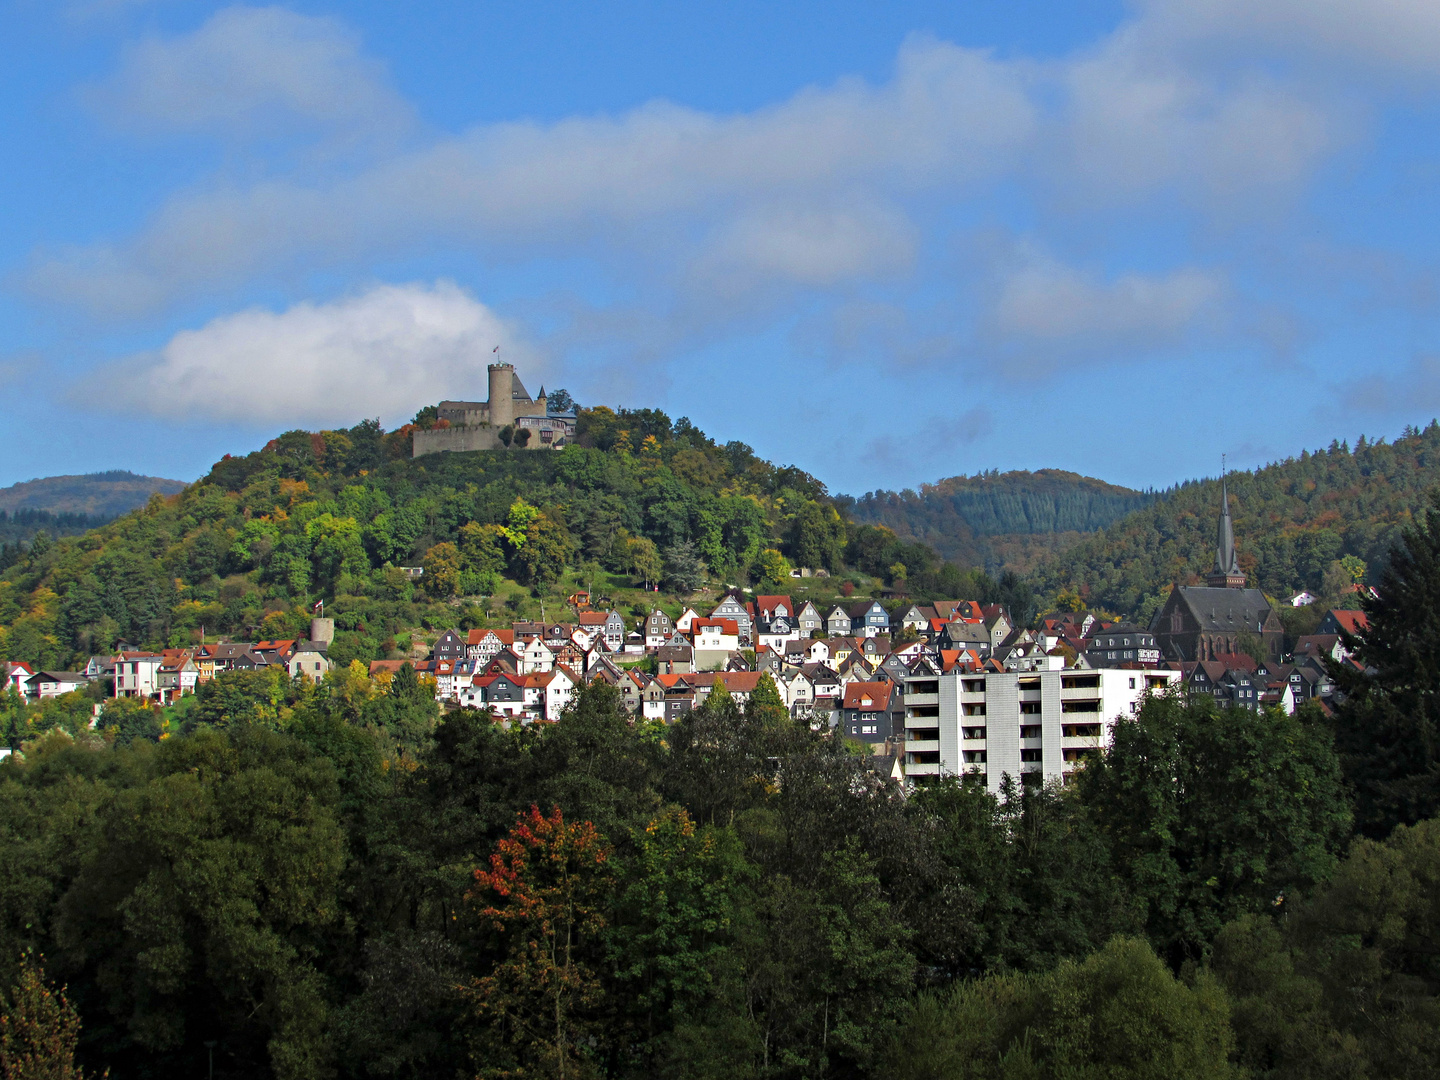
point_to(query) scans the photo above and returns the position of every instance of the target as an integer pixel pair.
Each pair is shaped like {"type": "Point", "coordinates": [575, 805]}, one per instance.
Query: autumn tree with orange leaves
{"type": "Point", "coordinates": [545, 894]}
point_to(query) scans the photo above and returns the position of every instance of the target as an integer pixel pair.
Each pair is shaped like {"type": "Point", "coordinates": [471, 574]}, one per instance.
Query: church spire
{"type": "Point", "coordinates": [1227, 573]}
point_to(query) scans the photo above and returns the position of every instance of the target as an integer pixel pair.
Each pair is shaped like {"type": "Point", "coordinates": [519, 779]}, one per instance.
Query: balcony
{"type": "Point", "coordinates": [922, 746]}
{"type": "Point", "coordinates": [922, 768]}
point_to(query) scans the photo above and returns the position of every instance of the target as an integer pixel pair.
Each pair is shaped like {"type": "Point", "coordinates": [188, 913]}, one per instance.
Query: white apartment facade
{"type": "Point", "coordinates": [1035, 726]}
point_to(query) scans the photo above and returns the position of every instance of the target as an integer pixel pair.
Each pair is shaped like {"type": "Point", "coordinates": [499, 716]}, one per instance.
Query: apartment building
{"type": "Point", "coordinates": [1035, 726]}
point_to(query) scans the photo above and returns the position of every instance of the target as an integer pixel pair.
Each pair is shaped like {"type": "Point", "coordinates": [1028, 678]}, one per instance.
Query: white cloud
{"type": "Point", "coordinates": [1048, 310]}
{"type": "Point", "coordinates": [388, 351]}
{"type": "Point", "coordinates": [1394, 37]}
{"type": "Point", "coordinates": [251, 69]}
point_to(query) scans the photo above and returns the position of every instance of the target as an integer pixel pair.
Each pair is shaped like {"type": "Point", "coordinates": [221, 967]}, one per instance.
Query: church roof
{"type": "Point", "coordinates": [1225, 610]}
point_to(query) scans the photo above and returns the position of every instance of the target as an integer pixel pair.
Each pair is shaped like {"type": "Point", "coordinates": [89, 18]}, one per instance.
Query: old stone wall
{"type": "Point", "coordinates": [457, 440]}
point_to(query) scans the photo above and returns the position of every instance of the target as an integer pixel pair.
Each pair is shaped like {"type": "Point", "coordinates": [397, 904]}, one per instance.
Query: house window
{"type": "Point", "coordinates": [1031, 755]}
{"type": "Point", "coordinates": [1029, 731]}
{"type": "Point", "coordinates": [1132, 684]}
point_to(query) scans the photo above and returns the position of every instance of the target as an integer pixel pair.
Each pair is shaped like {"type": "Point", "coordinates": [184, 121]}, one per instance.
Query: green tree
{"type": "Point", "coordinates": [673, 919]}
{"type": "Point", "coordinates": [683, 570]}
{"type": "Point", "coordinates": [643, 559]}
{"type": "Point", "coordinates": [1388, 725]}
{"type": "Point", "coordinates": [1117, 1015]}
{"type": "Point", "coordinates": [209, 886]}
{"type": "Point", "coordinates": [442, 570]}
{"type": "Point", "coordinates": [1211, 813]}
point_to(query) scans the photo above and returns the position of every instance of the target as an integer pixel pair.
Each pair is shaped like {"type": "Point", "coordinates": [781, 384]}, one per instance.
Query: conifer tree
{"type": "Point", "coordinates": [1388, 729]}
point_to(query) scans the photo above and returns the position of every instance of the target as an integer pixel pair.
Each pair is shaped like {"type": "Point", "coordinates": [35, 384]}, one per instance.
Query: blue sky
{"type": "Point", "coordinates": [887, 242]}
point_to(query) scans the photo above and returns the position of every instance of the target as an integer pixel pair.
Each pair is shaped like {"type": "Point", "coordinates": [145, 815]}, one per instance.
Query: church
{"type": "Point", "coordinates": [1201, 622]}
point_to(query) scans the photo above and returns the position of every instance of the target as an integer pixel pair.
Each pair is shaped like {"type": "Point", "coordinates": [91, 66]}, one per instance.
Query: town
{"type": "Point", "coordinates": [932, 689]}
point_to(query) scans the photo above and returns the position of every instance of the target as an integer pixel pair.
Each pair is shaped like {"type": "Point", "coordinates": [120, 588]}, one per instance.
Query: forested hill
{"type": "Point", "coordinates": [970, 518]}
{"type": "Point", "coordinates": [98, 495]}
{"type": "Point", "coordinates": [245, 551]}
{"type": "Point", "coordinates": [1293, 521]}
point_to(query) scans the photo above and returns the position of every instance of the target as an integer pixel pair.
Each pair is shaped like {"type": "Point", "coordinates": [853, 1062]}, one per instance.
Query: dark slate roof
{"type": "Point", "coordinates": [1225, 610]}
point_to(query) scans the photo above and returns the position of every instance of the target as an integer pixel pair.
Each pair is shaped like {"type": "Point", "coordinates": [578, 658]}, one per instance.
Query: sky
{"type": "Point", "coordinates": [888, 242]}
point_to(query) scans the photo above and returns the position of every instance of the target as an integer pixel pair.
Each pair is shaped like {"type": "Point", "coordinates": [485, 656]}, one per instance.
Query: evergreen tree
{"type": "Point", "coordinates": [1388, 728]}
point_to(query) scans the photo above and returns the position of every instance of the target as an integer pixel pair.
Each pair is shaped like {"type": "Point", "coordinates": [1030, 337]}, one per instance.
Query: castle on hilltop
{"type": "Point", "coordinates": [510, 418]}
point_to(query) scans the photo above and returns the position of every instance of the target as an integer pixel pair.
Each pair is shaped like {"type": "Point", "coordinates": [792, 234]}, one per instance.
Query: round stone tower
{"type": "Point", "coordinates": [502, 399]}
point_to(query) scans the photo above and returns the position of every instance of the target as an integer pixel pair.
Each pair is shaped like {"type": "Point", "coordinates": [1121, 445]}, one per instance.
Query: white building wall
{"type": "Point", "coordinates": [1067, 701]}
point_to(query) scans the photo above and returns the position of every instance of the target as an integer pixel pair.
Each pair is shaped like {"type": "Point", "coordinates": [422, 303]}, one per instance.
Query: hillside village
{"type": "Point", "coordinates": [931, 689]}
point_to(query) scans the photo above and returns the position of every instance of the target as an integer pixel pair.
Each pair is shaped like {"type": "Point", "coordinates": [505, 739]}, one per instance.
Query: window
{"type": "Point", "coordinates": [1080, 731]}
{"type": "Point", "coordinates": [973, 686]}
{"type": "Point", "coordinates": [1029, 731]}
{"type": "Point", "coordinates": [1132, 684]}
{"type": "Point", "coordinates": [1029, 707]}
{"type": "Point", "coordinates": [976, 709]}
{"type": "Point", "coordinates": [974, 757]}
{"type": "Point", "coordinates": [972, 733]}
{"type": "Point", "coordinates": [1077, 753]}
{"type": "Point", "coordinates": [1079, 706]}
{"type": "Point", "coordinates": [1078, 682]}
{"type": "Point", "coordinates": [1031, 755]}
{"type": "Point", "coordinates": [1029, 684]}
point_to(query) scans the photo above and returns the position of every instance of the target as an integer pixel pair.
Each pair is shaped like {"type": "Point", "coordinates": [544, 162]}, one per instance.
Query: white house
{"type": "Point", "coordinates": [715, 640]}
{"type": "Point", "coordinates": [137, 674]}
{"type": "Point", "coordinates": [536, 658]}
{"type": "Point", "coordinates": [48, 684]}
{"type": "Point", "coordinates": [555, 690]}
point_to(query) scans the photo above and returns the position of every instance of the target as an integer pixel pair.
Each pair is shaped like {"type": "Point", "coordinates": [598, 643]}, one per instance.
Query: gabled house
{"type": "Point", "coordinates": [49, 684]}
{"type": "Point", "coordinates": [310, 662]}
{"type": "Point", "coordinates": [1338, 620]}
{"type": "Point", "coordinates": [177, 677]}
{"type": "Point", "coordinates": [481, 645]}
{"type": "Point", "coordinates": [557, 688]}
{"type": "Point", "coordinates": [16, 673]}
{"type": "Point", "coordinates": [868, 712]}
{"type": "Point", "coordinates": [715, 640]}
{"type": "Point", "coordinates": [731, 608]}
{"type": "Point", "coordinates": [837, 623]}
{"type": "Point", "coordinates": [658, 629]}
{"type": "Point", "coordinates": [687, 617]}
{"type": "Point", "coordinates": [810, 620]}
{"type": "Point", "coordinates": [449, 646]}
{"type": "Point", "coordinates": [869, 618]}
{"type": "Point", "coordinates": [675, 659]}
{"type": "Point", "coordinates": [536, 658]}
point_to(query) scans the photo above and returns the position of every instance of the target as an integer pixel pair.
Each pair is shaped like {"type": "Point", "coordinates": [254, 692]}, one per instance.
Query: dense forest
{"type": "Point", "coordinates": [100, 495]}
{"type": "Point", "coordinates": [1295, 521]}
{"type": "Point", "coordinates": [962, 516]}
{"type": "Point", "coordinates": [639, 503]}
{"type": "Point", "coordinates": [19, 526]}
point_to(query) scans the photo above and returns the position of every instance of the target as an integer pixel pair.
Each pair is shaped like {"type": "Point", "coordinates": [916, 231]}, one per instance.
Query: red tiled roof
{"type": "Point", "coordinates": [727, 626]}
{"type": "Point", "coordinates": [877, 693]}
{"type": "Point", "coordinates": [1352, 622]}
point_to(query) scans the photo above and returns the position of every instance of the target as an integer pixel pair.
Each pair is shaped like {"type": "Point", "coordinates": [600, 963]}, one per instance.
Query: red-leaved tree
{"type": "Point", "coordinates": [545, 894]}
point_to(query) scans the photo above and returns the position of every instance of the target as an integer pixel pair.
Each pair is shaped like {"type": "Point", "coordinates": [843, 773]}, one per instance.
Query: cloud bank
{"type": "Point", "coordinates": [393, 347]}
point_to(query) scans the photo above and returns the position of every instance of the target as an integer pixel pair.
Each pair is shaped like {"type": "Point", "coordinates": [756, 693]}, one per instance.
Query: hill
{"type": "Point", "coordinates": [1001, 520]}
{"type": "Point", "coordinates": [1294, 521]}
{"type": "Point", "coordinates": [639, 502]}
{"type": "Point", "coordinates": [98, 495]}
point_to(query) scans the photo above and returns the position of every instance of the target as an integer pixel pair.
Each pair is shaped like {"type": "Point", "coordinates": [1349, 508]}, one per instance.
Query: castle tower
{"type": "Point", "coordinates": [502, 394]}
{"type": "Point", "coordinates": [1227, 573]}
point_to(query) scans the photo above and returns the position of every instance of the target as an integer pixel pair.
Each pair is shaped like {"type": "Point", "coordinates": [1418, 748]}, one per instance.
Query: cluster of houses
{"type": "Point", "coordinates": [943, 688]}
{"type": "Point", "coordinates": [166, 676]}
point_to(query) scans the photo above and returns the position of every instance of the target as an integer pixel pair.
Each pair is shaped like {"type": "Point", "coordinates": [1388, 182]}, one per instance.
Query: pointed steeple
{"type": "Point", "coordinates": [1227, 573]}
